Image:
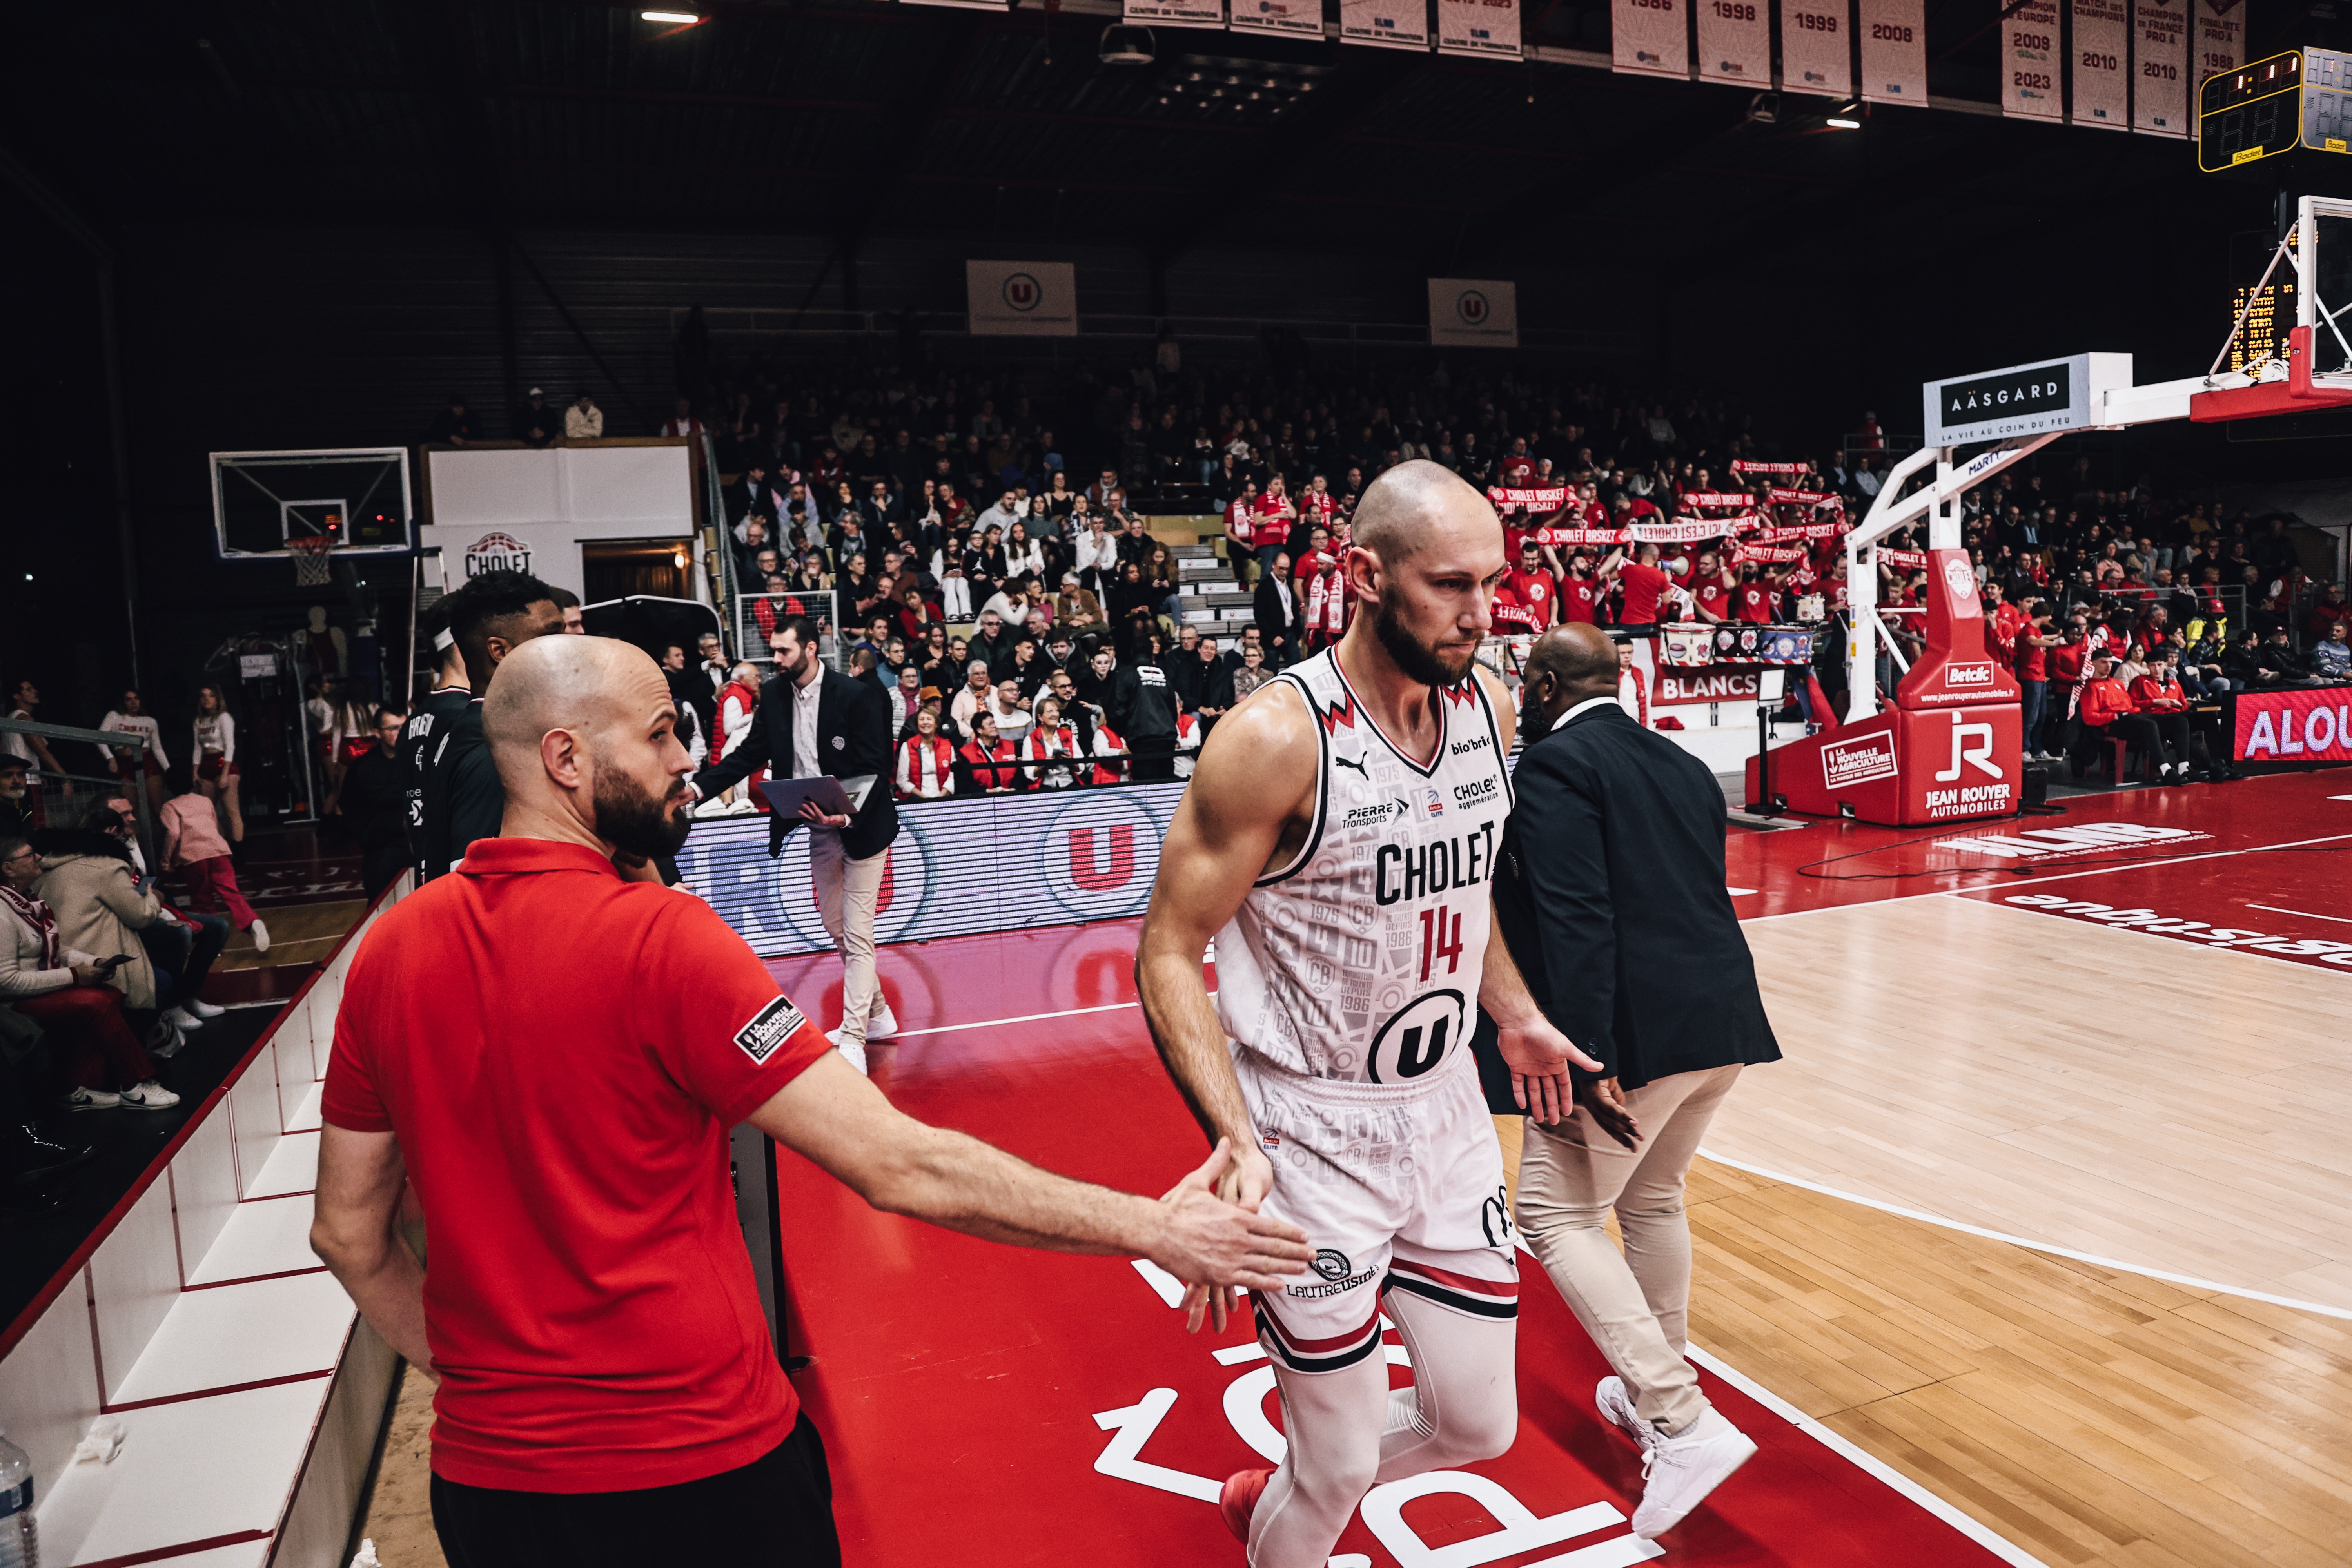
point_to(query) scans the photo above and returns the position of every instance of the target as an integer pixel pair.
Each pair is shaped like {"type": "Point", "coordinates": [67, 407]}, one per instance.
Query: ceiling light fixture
{"type": "Point", "coordinates": [678, 19]}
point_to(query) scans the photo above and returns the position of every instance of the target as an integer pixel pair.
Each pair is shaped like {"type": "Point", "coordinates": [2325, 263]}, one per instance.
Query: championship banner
{"type": "Point", "coordinates": [1385, 24]}
{"type": "Point", "coordinates": [2220, 38]}
{"type": "Point", "coordinates": [1292, 17]}
{"type": "Point", "coordinates": [1487, 28]}
{"type": "Point", "coordinates": [1475, 312]}
{"type": "Point", "coordinates": [1021, 299]}
{"type": "Point", "coordinates": [2160, 67]}
{"type": "Point", "coordinates": [2293, 727]}
{"type": "Point", "coordinates": [1648, 37]}
{"type": "Point", "coordinates": [2029, 61]}
{"type": "Point", "coordinates": [1549, 499]}
{"type": "Point", "coordinates": [1734, 41]}
{"type": "Point", "coordinates": [2099, 56]}
{"type": "Point", "coordinates": [1174, 12]}
{"type": "Point", "coordinates": [1816, 48]}
{"type": "Point", "coordinates": [1895, 51]}
{"type": "Point", "coordinates": [1742, 466]}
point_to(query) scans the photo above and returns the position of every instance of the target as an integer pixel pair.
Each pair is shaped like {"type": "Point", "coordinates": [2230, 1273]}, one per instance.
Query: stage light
{"type": "Point", "coordinates": [681, 19]}
{"type": "Point", "coordinates": [1846, 117]}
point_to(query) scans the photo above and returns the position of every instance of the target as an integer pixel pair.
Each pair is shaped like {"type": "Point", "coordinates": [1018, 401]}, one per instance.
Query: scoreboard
{"type": "Point", "coordinates": [2297, 102]}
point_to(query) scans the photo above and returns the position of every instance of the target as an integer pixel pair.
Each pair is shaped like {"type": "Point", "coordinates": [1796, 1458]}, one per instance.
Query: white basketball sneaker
{"type": "Point", "coordinates": [1616, 1407]}
{"type": "Point", "coordinates": [851, 1051]}
{"type": "Point", "coordinates": [202, 1008]}
{"type": "Point", "coordinates": [1679, 1473]}
{"type": "Point", "coordinates": [882, 1025]}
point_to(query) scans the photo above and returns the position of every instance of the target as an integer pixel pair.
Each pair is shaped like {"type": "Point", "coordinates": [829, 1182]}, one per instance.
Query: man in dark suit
{"type": "Point", "coordinates": [1277, 613]}
{"type": "Point", "coordinates": [1610, 891]}
{"type": "Point", "coordinates": [812, 720]}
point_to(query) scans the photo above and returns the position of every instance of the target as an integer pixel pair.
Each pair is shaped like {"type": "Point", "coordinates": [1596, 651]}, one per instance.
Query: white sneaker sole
{"type": "Point", "coordinates": [1727, 1460]}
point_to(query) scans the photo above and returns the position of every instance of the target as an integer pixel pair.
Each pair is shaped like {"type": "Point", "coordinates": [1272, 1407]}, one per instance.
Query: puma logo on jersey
{"type": "Point", "coordinates": [1355, 762]}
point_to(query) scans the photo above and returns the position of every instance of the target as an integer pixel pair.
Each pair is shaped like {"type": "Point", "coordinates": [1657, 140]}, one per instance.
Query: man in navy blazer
{"type": "Point", "coordinates": [1610, 891]}
{"type": "Point", "coordinates": [812, 719]}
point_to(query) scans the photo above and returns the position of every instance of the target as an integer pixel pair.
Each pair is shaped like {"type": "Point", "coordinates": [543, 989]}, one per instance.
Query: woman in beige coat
{"type": "Point", "coordinates": [88, 878]}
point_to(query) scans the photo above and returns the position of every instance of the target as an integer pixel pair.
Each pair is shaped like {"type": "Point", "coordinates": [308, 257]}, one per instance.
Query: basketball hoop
{"type": "Point", "coordinates": [312, 566]}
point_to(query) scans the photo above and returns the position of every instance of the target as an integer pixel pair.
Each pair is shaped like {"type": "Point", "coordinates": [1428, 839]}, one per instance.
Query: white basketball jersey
{"type": "Point", "coordinates": [1360, 960]}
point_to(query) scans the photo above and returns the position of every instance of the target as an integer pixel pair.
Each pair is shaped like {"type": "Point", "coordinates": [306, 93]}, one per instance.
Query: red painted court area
{"type": "Point", "coordinates": [1825, 864]}
{"type": "Point", "coordinates": [1012, 1407]}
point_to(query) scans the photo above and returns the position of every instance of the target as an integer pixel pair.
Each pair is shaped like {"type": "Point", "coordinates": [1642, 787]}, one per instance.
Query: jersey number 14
{"type": "Point", "coordinates": [1441, 937]}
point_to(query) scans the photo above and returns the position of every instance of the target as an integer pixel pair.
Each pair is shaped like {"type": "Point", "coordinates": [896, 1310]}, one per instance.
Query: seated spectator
{"type": "Point", "coordinates": [193, 846]}
{"type": "Point", "coordinates": [61, 988]}
{"type": "Point", "coordinates": [973, 698]}
{"type": "Point", "coordinates": [2108, 712]}
{"type": "Point", "coordinates": [182, 946]}
{"type": "Point", "coordinates": [101, 904]}
{"type": "Point", "coordinates": [1110, 755]}
{"type": "Point", "coordinates": [1253, 673]}
{"type": "Point", "coordinates": [1048, 747]}
{"type": "Point", "coordinates": [535, 421]}
{"type": "Point", "coordinates": [1076, 609]}
{"type": "Point", "coordinates": [988, 762]}
{"type": "Point", "coordinates": [453, 427]}
{"type": "Point", "coordinates": [583, 421]}
{"type": "Point", "coordinates": [906, 697]}
{"type": "Point", "coordinates": [2332, 660]}
{"type": "Point", "coordinates": [1008, 706]}
{"type": "Point", "coordinates": [926, 766]}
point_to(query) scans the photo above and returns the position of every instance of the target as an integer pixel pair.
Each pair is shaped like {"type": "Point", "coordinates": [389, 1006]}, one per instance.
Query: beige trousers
{"type": "Point", "coordinates": [1636, 1304]}
{"type": "Point", "coordinates": [846, 892]}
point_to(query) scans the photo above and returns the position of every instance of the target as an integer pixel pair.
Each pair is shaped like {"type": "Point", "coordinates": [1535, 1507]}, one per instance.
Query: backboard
{"type": "Point", "coordinates": [2325, 302]}
{"type": "Point", "coordinates": [358, 496]}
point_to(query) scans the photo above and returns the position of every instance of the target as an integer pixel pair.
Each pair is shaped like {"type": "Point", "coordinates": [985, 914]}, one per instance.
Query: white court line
{"type": "Point", "coordinates": [2306, 914]}
{"type": "Point", "coordinates": [2037, 881]}
{"type": "Point", "coordinates": [1863, 1459]}
{"type": "Point", "coordinates": [1844, 1448]}
{"type": "Point", "coordinates": [1024, 1018]}
{"type": "Point", "coordinates": [2188, 1280]}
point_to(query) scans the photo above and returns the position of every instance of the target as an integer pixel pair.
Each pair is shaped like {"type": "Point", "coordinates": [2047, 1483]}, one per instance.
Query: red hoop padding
{"type": "Point", "coordinates": [2295, 394]}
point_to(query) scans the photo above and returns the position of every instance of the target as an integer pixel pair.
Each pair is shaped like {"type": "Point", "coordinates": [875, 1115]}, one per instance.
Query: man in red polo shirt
{"type": "Point", "coordinates": [551, 1055]}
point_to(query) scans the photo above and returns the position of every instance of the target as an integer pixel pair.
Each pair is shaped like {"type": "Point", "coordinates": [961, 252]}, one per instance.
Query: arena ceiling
{"type": "Point", "coordinates": [848, 117]}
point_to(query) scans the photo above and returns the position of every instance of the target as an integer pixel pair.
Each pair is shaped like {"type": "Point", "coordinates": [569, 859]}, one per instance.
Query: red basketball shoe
{"type": "Point", "coordinates": [1239, 1498]}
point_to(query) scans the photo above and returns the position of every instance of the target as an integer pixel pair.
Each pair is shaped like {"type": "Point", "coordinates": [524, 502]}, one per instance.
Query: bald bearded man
{"type": "Point", "coordinates": [1336, 842]}
{"type": "Point", "coordinates": [553, 1056]}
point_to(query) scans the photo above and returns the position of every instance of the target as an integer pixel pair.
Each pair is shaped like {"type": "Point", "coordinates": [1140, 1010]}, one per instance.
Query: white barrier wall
{"type": "Point", "coordinates": [959, 867]}
{"type": "Point", "coordinates": [249, 1392]}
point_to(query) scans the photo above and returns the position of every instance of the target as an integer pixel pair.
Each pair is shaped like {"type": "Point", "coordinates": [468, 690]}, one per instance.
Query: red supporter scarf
{"type": "Point", "coordinates": [1549, 499]}
{"type": "Point", "coordinates": [1742, 466]}
{"type": "Point", "coordinates": [1909, 560]}
{"type": "Point", "coordinates": [1717, 497]}
{"type": "Point", "coordinates": [41, 918]}
{"type": "Point", "coordinates": [1806, 498]}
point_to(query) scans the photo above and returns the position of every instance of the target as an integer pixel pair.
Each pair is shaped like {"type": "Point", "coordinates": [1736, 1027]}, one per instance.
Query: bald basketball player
{"type": "Point", "coordinates": [553, 1055]}
{"type": "Point", "coordinates": [1338, 842]}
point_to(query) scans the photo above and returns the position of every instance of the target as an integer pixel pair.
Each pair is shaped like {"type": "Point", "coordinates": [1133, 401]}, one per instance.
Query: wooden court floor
{"type": "Point", "coordinates": [2090, 1416]}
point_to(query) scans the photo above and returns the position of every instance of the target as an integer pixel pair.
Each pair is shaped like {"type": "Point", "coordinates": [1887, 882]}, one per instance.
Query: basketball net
{"type": "Point", "coordinates": [312, 566]}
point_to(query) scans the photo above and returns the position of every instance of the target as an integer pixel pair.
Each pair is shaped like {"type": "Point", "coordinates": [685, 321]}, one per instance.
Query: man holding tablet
{"type": "Point", "coordinates": [812, 721]}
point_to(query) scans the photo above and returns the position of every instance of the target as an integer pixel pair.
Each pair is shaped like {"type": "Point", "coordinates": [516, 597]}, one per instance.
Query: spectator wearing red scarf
{"type": "Point", "coordinates": [1050, 742]}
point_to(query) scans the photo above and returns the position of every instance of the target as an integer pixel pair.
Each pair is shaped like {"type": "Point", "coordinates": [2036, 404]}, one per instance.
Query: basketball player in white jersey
{"type": "Point", "coordinates": [1338, 842]}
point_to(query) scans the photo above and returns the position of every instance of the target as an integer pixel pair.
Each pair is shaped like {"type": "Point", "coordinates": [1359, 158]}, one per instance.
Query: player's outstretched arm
{"type": "Point", "coordinates": [833, 1115]}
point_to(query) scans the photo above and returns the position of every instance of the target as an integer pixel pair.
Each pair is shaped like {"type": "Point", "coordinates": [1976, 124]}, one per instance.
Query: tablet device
{"type": "Point", "coordinates": [834, 797]}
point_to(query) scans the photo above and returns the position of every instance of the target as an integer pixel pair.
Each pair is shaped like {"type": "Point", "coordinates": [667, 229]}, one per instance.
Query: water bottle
{"type": "Point", "coordinates": [20, 1546]}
